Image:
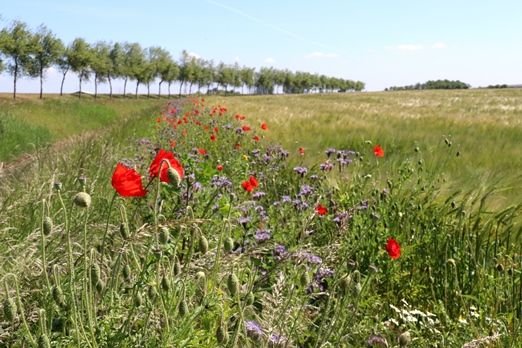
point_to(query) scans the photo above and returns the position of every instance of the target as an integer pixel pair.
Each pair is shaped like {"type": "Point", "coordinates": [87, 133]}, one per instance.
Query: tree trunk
{"type": "Point", "coordinates": [124, 86]}
{"type": "Point", "coordinates": [14, 78]}
{"type": "Point", "coordinates": [208, 89]}
{"type": "Point", "coordinates": [110, 86]}
{"type": "Point", "coordinates": [180, 86]}
{"type": "Point", "coordinates": [148, 90]}
{"type": "Point", "coordinates": [95, 86]}
{"type": "Point", "coordinates": [169, 88]}
{"type": "Point", "coordinates": [159, 88]}
{"type": "Point", "coordinates": [190, 89]}
{"type": "Point", "coordinates": [137, 84]}
{"type": "Point", "coordinates": [41, 82]}
{"type": "Point", "coordinates": [80, 91]}
{"type": "Point", "coordinates": [63, 80]}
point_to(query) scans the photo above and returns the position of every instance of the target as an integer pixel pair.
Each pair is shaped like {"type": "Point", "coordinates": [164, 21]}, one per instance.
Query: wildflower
{"type": "Point", "coordinates": [321, 209]}
{"type": "Point", "coordinates": [330, 151]}
{"type": "Point", "coordinates": [219, 167]}
{"type": "Point", "coordinates": [202, 152]}
{"type": "Point", "coordinates": [127, 182]}
{"type": "Point", "coordinates": [301, 151]}
{"type": "Point", "coordinates": [213, 137]}
{"type": "Point", "coordinates": [253, 328]}
{"type": "Point", "coordinates": [301, 170]}
{"type": "Point", "coordinates": [256, 138]}
{"type": "Point", "coordinates": [264, 126]}
{"type": "Point", "coordinates": [262, 235]}
{"type": "Point", "coordinates": [246, 128]}
{"type": "Point", "coordinates": [378, 151]}
{"type": "Point", "coordinates": [154, 169]}
{"type": "Point", "coordinates": [326, 166]}
{"type": "Point", "coordinates": [82, 199]}
{"type": "Point", "coordinates": [250, 184]}
{"type": "Point", "coordinates": [393, 248]}
{"type": "Point", "coordinates": [305, 190]}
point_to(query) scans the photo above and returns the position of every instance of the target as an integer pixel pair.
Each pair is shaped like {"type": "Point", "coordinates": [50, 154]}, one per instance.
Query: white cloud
{"type": "Point", "coordinates": [322, 55]}
{"type": "Point", "coordinates": [438, 45]}
{"type": "Point", "coordinates": [409, 47]}
{"type": "Point", "coordinates": [193, 55]}
{"type": "Point", "coordinates": [270, 60]}
{"type": "Point", "coordinates": [236, 59]}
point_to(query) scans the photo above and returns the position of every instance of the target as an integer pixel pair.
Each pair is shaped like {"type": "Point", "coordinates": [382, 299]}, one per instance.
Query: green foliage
{"type": "Point", "coordinates": [438, 84]}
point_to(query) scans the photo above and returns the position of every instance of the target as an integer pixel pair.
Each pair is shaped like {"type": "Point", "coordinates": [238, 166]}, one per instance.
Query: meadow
{"type": "Point", "coordinates": [351, 220]}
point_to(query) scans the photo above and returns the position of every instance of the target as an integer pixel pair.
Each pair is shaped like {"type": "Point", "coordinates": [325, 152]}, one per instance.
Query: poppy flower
{"type": "Point", "coordinates": [202, 151]}
{"type": "Point", "coordinates": [246, 128]}
{"type": "Point", "coordinates": [250, 184]}
{"type": "Point", "coordinates": [127, 182]}
{"type": "Point", "coordinates": [264, 126]}
{"type": "Point", "coordinates": [157, 162]}
{"type": "Point", "coordinates": [256, 138]}
{"type": "Point", "coordinates": [321, 209]}
{"type": "Point", "coordinates": [393, 248]}
{"type": "Point", "coordinates": [378, 151]}
{"type": "Point", "coordinates": [219, 167]}
{"type": "Point", "coordinates": [301, 151]}
{"type": "Point", "coordinates": [212, 137]}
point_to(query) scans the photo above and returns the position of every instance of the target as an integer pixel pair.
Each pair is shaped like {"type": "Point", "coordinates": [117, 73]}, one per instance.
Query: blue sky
{"type": "Point", "coordinates": [382, 43]}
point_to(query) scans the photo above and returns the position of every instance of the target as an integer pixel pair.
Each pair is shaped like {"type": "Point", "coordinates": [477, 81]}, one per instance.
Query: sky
{"type": "Point", "coordinates": [380, 42]}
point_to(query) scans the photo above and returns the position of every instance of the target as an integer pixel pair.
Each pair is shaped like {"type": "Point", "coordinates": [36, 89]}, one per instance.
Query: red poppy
{"type": "Point", "coordinates": [202, 151]}
{"type": "Point", "coordinates": [393, 248]}
{"type": "Point", "coordinates": [245, 128]}
{"type": "Point", "coordinates": [158, 160]}
{"type": "Point", "coordinates": [378, 151]}
{"type": "Point", "coordinates": [250, 184]}
{"type": "Point", "coordinates": [237, 146]}
{"type": "Point", "coordinates": [301, 151]}
{"type": "Point", "coordinates": [173, 143]}
{"type": "Point", "coordinates": [321, 209]}
{"type": "Point", "coordinates": [219, 167]}
{"type": "Point", "coordinates": [216, 130]}
{"type": "Point", "coordinates": [212, 137]}
{"type": "Point", "coordinates": [127, 182]}
{"type": "Point", "coordinates": [264, 126]}
{"type": "Point", "coordinates": [256, 138]}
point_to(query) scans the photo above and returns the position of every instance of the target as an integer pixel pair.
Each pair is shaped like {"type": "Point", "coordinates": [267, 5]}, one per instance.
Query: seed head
{"type": "Point", "coordinates": [43, 341]}
{"type": "Point", "coordinates": [138, 299]}
{"type": "Point", "coordinates": [47, 225]}
{"type": "Point", "coordinates": [404, 339]}
{"type": "Point", "coordinates": [124, 231]}
{"type": "Point", "coordinates": [174, 177]}
{"type": "Point", "coordinates": [233, 284]}
{"type": "Point", "coordinates": [203, 244]}
{"type": "Point", "coordinates": [9, 309]}
{"type": "Point", "coordinates": [165, 284]}
{"type": "Point", "coordinates": [164, 235]}
{"type": "Point", "coordinates": [228, 244]}
{"type": "Point", "coordinates": [183, 308]}
{"type": "Point", "coordinates": [58, 296]}
{"type": "Point", "coordinates": [82, 199]}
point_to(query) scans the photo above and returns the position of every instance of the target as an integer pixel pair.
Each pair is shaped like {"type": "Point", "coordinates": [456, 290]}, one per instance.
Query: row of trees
{"type": "Point", "coordinates": [28, 53]}
{"type": "Point", "coordinates": [437, 84]}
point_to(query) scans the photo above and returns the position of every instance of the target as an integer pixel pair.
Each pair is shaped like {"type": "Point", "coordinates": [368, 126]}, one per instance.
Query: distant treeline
{"type": "Point", "coordinates": [27, 53]}
{"type": "Point", "coordinates": [437, 84]}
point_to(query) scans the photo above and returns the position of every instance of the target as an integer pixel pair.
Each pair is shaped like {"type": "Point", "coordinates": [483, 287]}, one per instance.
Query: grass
{"type": "Point", "coordinates": [484, 128]}
{"type": "Point", "coordinates": [206, 263]}
{"type": "Point", "coordinates": [28, 123]}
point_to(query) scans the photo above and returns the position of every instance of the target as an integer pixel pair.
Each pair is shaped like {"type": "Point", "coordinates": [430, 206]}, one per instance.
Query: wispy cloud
{"type": "Point", "coordinates": [409, 47]}
{"type": "Point", "coordinates": [270, 60]}
{"type": "Point", "coordinates": [318, 54]}
{"type": "Point", "coordinates": [439, 45]}
{"type": "Point", "coordinates": [193, 55]}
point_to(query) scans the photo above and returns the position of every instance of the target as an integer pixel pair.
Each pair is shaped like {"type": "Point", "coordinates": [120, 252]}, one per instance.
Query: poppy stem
{"type": "Point", "coordinates": [102, 251]}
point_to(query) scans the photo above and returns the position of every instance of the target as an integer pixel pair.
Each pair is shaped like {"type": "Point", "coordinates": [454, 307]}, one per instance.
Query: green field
{"type": "Point", "coordinates": [253, 246]}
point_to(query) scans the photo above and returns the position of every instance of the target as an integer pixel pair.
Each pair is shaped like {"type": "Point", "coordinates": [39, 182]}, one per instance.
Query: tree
{"type": "Point", "coordinates": [80, 59]}
{"type": "Point", "coordinates": [170, 74]}
{"type": "Point", "coordinates": [247, 78]}
{"type": "Point", "coordinates": [117, 57]}
{"type": "Point", "coordinates": [16, 44]}
{"type": "Point", "coordinates": [63, 64]}
{"type": "Point", "coordinates": [46, 51]}
{"type": "Point", "coordinates": [134, 60]}
{"type": "Point", "coordinates": [161, 61]}
{"type": "Point", "coordinates": [101, 64]}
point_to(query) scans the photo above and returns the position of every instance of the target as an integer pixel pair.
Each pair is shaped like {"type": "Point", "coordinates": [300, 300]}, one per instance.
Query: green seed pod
{"type": "Point", "coordinates": [43, 341]}
{"type": "Point", "coordinates": [100, 285]}
{"type": "Point", "coordinates": [164, 235]}
{"type": "Point", "coordinates": [183, 308]}
{"type": "Point", "coordinates": [222, 334]}
{"type": "Point", "coordinates": [417, 149]}
{"type": "Point", "coordinates": [95, 274]}
{"type": "Point", "coordinates": [201, 280]}
{"type": "Point", "coordinates": [345, 284]}
{"type": "Point", "coordinates": [404, 339]}
{"type": "Point", "coordinates": [174, 177]}
{"type": "Point", "coordinates": [138, 299]}
{"type": "Point", "coordinates": [152, 293]}
{"type": "Point", "coordinates": [124, 231]}
{"type": "Point", "coordinates": [82, 199]}
{"type": "Point", "coordinates": [58, 296]}
{"type": "Point", "coordinates": [233, 284]}
{"type": "Point", "coordinates": [228, 244]}
{"type": "Point", "coordinates": [165, 284]}
{"type": "Point", "coordinates": [9, 309]}
{"type": "Point", "coordinates": [304, 279]}
{"type": "Point", "coordinates": [203, 244]}
{"type": "Point", "coordinates": [126, 272]}
{"type": "Point", "coordinates": [47, 225]}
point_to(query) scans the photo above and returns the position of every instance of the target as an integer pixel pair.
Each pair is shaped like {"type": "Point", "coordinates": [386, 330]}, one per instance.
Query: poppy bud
{"type": "Point", "coordinates": [233, 284]}
{"type": "Point", "coordinates": [183, 308]}
{"type": "Point", "coordinates": [404, 339]}
{"type": "Point", "coordinates": [201, 279]}
{"type": "Point", "coordinates": [126, 272]}
{"type": "Point", "coordinates": [47, 225]}
{"type": "Point", "coordinates": [58, 296]}
{"type": "Point", "coordinates": [9, 309]}
{"type": "Point", "coordinates": [344, 284]}
{"type": "Point", "coordinates": [304, 279]}
{"type": "Point", "coordinates": [82, 199]}
{"type": "Point", "coordinates": [203, 244]}
{"type": "Point", "coordinates": [124, 231]}
{"type": "Point", "coordinates": [164, 235]}
{"type": "Point", "coordinates": [138, 299]}
{"type": "Point", "coordinates": [43, 341]}
{"type": "Point", "coordinates": [250, 298]}
{"type": "Point", "coordinates": [165, 284]}
{"type": "Point", "coordinates": [174, 177]}
{"type": "Point", "coordinates": [228, 244]}
{"type": "Point", "coordinates": [177, 267]}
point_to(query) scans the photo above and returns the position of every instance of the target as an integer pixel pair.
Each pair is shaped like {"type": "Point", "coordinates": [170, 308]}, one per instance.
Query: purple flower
{"type": "Point", "coordinates": [262, 235]}
{"type": "Point", "coordinates": [220, 182]}
{"type": "Point", "coordinates": [307, 256]}
{"type": "Point", "coordinates": [280, 251]}
{"type": "Point", "coordinates": [197, 186]}
{"type": "Point", "coordinates": [244, 220]}
{"type": "Point", "coordinates": [330, 151]}
{"type": "Point", "coordinates": [239, 131]}
{"type": "Point", "coordinates": [277, 340]}
{"type": "Point", "coordinates": [362, 206]}
{"type": "Point", "coordinates": [255, 153]}
{"type": "Point", "coordinates": [326, 166]}
{"type": "Point", "coordinates": [266, 158]}
{"type": "Point", "coordinates": [301, 170]}
{"type": "Point", "coordinates": [374, 340]}
{"type": "Point", "coordinates": [258, 195]}
{"type": "Point", "coordinates": [283, 153]}
{"type": "Point", "coordinates": [286, 199]}
{"type": "Point", "coordinates": [253, 329]}
{"type": "Point", "coordinates": [305, 190]}
{"type": "Point", "coordinates": [300, 204]}
{"type": "Point", "coordinates": [341, 217]}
